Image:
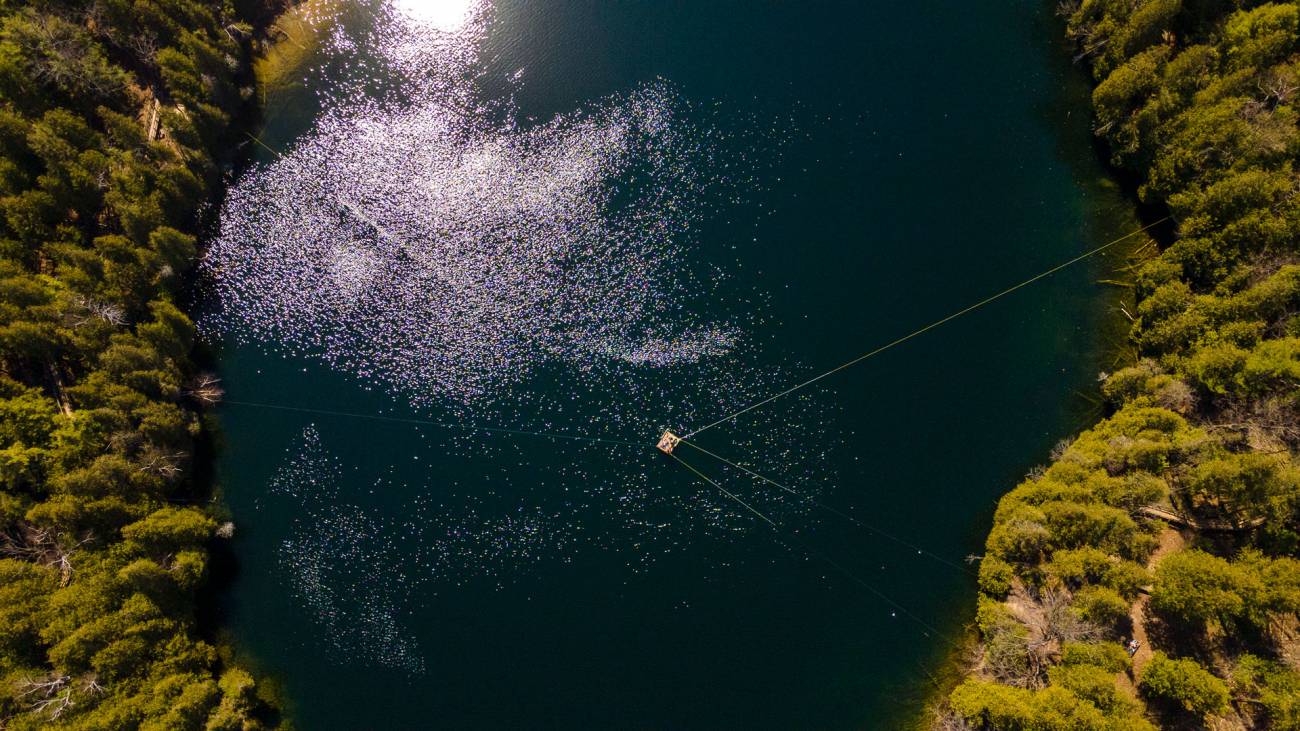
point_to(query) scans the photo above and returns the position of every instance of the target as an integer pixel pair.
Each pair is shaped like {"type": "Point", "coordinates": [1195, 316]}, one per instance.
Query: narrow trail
{"type": "Point", "coordinates": [1171, 540]}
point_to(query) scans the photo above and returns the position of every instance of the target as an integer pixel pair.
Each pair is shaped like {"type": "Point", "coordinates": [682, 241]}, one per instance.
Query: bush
{"type": "Point", "coordinates": [988, 705]}
{"type": "Point", "coordinates": [1245, 484]}
{"type": "Point", "coordinates": [1108, 655]}
{"type": "Point", "coordinates": [1080, 567]}
{"type": "Point", "coordinates": [1095, 685]}
{"type": "Point", "coordinates": [1101, 605]}
{"type": "Point", "coordinates": [1194, 588]}
{"type": "Point", "coordinates": [1184, 684]}
{"type": "Point", "coordinates": [995, 576]}
{"type": "Point", "coordinates": [1275, 686]}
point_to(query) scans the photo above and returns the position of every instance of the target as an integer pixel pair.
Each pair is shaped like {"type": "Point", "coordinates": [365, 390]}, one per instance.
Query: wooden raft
{"type": "Point", "coordinates": [667, 442]}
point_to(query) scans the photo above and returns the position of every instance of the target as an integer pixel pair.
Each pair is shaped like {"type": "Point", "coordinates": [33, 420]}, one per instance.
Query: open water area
{"type": "Point", "coordinates": [579, 223]}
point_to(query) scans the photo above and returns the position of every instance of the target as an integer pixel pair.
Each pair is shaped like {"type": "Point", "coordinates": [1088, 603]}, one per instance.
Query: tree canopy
{"type": "Point", "coordinates": [115, 119]}
{"type": "Point", "coordinates": [1196, 101]}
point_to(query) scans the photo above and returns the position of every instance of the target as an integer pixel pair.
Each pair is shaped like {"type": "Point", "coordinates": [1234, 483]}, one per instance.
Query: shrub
{"type": "Point", "coordinates": [1275, 686]}
{"type": "Point", "coordinates": [988, 705]}
{"type": "Point", "coordinates": [1101, 605]}
{"type": "Point", "coordinates": [1184, 684]}
{"type": "Point", "coordinates": [1108, 655]}
{"type": "Point", "coordinates": [1093, 684]}
{"type": "Point", "coordinates": [1194, 588]}
{"type": "Point", "coordinates": [995, 576]}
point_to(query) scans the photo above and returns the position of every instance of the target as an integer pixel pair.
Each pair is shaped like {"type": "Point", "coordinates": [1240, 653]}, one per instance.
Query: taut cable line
{"type": "Point", "coordinates": [725, 491]}
{"type": "Point", "coordinates": [782, 537]}
{"type": "Point", "coordinates": [442, 424]}
{"type": "Point", "coordinates": [931, 326]}
{"type": "Point", "coordinates": [852, 519]}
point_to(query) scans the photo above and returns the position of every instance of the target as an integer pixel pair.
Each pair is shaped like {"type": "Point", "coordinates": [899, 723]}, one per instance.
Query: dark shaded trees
{"type": "Point", "coordinates": [113, 115]}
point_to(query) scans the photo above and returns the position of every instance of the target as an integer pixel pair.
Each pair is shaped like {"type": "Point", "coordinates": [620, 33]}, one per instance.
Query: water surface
{"type": "Point", "coordinates": [601, 220]}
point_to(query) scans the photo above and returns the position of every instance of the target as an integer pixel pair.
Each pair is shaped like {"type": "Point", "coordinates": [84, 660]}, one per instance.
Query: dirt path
{"type": "Point", "coordinates": [1139, 615]}
{"type": "Point", "coordinates": [1170, 540]}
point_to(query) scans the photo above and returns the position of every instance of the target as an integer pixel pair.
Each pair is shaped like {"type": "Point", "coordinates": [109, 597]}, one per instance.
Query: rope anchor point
{"type": "Point", "coordinates": [667, 442]}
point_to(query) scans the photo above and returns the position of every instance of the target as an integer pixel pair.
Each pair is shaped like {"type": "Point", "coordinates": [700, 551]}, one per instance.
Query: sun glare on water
{"type": "Point", "coordinates": [542, 276]}
{"type": "Point", "coordinates": [448, 16]}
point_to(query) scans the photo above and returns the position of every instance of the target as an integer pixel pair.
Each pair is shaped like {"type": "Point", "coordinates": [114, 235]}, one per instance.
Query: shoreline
{"type": "Point", "coordinates": [113, 524]}
{"type": "Point", "coordinates": [1121, 214]}
{"type": "Point", "coordinates": [1110, 580]}
{"type": "Point", "coordinates": [1101, 304]}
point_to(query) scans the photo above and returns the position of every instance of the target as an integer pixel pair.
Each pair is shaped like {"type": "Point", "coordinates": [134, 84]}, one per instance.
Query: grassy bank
{"type": "Point", "coordinates": [115, 124]}
{"type": "Point", "coordinates": [1174, 521]}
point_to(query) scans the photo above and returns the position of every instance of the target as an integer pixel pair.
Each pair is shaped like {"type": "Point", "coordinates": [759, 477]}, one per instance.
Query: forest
{"type": "Point", "coordinates": [1175, 521]}
{"type": "Point", "coordinates": [116, 122]}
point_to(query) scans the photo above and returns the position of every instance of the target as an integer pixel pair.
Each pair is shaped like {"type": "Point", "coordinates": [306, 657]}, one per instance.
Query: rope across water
{"type": "Point", "coordinates": [929, 327]}
{"type": "Point", "coordinates": [803, 546]}
{"type": "Point", "coordinates": [443, 424]}
{"type": "Point", "coordinates": [811, 501]}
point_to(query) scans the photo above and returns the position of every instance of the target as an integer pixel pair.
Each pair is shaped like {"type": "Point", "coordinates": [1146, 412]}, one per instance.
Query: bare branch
{"type": "Point", "coordinates": [90, 309]}
{"type": "Point", "coordinates": [206, 389]}
{"type": "Point", "coordinates": [42, 688]}
{"type": "Point", "coordinates": [55, 705]}
{"type": "Point", "coordinates": [163, 464]}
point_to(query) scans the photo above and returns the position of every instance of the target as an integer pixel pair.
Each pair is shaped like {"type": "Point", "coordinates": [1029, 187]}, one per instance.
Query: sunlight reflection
{"type": "Point", "coordinates": [448, 16]}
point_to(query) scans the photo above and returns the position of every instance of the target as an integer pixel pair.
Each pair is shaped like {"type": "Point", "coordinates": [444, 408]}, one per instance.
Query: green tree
{"type": "Point", "coordinates": [1194, 588]}
{"type": "Point", "coordinates": [1185, 685]}
{"type": "Point", "coordinates": [1275, 686]}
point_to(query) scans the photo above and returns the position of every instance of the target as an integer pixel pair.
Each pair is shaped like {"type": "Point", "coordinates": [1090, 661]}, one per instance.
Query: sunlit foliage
{"type": "Point", "coordinates": [113, 115]}
{"type": "Point", "coordinates": [1197, 101]}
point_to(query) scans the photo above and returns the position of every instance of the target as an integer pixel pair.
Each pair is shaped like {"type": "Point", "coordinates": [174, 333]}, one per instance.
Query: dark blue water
{"type": "Point", "coordinates": [912, 158]}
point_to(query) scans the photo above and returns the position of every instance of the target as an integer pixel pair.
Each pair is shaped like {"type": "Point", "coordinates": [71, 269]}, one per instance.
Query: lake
{"type": "Point", "coordinates": [580, 223]}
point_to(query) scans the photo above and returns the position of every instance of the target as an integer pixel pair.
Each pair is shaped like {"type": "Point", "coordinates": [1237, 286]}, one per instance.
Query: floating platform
{"type": "Point", "coordinates": [667, 442]}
